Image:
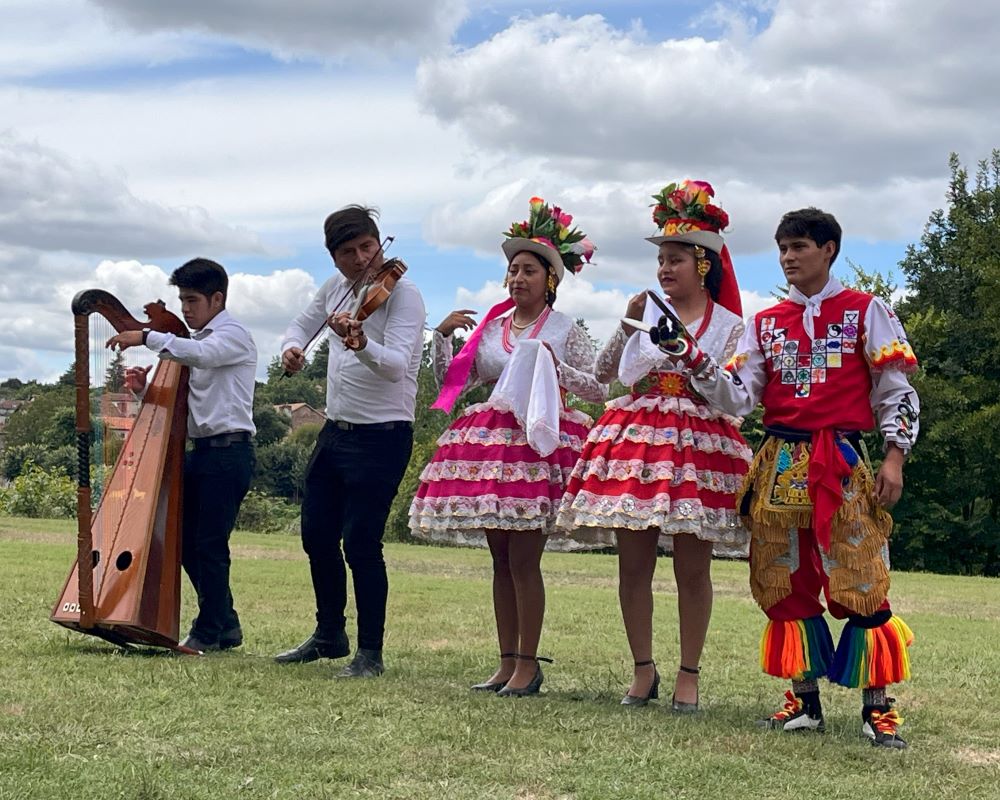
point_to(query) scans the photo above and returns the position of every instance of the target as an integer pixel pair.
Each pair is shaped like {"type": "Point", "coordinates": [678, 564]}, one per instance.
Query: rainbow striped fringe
{"type": "Point", "coordinates": [872, 657]}
{"type": "Point", "coordinates": [798, 649]}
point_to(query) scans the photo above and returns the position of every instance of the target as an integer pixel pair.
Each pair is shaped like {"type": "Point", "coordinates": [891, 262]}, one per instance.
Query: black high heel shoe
{"type": "Point", "coordinates": [531, 688]}
{"type": "Point", "coordinates": [654, 689]}
{"type": "Point", "coordinates": [679, 707]}
{"type": "Point", "coordinates": [492, 687]}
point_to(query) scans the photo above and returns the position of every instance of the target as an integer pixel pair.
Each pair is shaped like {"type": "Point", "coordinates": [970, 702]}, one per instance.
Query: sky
{"type": "Point", "coordinates": [137, 134]}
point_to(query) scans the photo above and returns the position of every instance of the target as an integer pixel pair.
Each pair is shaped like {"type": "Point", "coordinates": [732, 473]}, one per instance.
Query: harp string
{"type": "Point", "coordinates": [113, 412]}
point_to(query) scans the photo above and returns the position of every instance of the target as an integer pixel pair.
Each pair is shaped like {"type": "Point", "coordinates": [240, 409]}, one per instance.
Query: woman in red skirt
{"type": "Point", "coordinates": [500, 469]}
{"type": "Point", "coordinates": [661, 467]}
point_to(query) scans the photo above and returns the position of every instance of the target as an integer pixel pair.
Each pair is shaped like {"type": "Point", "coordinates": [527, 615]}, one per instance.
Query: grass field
{"type": "Point", "coordinates": [79, 719]}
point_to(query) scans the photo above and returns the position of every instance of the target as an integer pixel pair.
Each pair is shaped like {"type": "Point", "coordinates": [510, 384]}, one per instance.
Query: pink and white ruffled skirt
{"type": "Point", "coordinates": [484, 476]}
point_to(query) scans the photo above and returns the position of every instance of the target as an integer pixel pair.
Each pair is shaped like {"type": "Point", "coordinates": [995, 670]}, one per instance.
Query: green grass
{"type": "Point", "coordinates": [79, 719]}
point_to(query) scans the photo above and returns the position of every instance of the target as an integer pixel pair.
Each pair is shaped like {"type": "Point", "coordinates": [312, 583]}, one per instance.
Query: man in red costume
{"type": "Point", "coordinates": [826, 364]}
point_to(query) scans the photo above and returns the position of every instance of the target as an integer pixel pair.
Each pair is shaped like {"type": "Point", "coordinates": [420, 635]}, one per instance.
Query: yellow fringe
{"type": "Point", "coordinates": [860, 517]}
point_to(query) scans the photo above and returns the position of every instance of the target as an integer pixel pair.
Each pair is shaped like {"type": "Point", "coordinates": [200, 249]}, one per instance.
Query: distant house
{"type": "Point", "coordinates": [118, 412]}
{"type": "Point", "coordinates": [300, 414]}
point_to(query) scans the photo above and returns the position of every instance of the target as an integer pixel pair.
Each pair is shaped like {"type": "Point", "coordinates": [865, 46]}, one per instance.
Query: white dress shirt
{"type": "Point", "coordinates": [379, 383]}
{"type": "Point", "coordinates": [223, 361]}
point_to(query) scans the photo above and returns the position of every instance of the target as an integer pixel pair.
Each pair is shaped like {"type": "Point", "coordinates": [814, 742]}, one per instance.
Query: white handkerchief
{"type": "Point", "coordinates": [529, 388]}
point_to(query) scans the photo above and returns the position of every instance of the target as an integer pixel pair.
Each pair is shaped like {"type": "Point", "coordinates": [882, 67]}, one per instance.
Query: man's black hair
{"type": "Point", "coordinates": [349, 223]}
{"type": "Point", "coordinates": [203, 276]}
{"type": "Point", "coordinates": [811, 223]}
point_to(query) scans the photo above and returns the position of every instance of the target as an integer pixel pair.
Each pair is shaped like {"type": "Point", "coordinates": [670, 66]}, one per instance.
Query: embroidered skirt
{"type": "Point", "coordinates": [663, 462]}
{"type": "Point", "coordinates": [484, 476]}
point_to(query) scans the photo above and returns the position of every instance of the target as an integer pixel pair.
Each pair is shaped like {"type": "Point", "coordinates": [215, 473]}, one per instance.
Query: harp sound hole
{"type": "Point", "coordinates": [96, 558]}
{"type": "Point", "coordinates": [124, 561]}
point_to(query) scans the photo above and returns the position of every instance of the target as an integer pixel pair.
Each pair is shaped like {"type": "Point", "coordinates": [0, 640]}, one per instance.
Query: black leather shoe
{"type": "Point", "coordinates": [192, 642]}
{"type": "Point", "coordinates": [492, 687]}
{"type": "Point", "coordinates": [654, 689]}
{"type": "Point", "coordinates": [316, 647]}
{"type": "Point", "coordinates": [365, 664]}
{"type": "Point", "coordinates": [231, 638]}
{"type": "Point", "coordinates": [533, 687]}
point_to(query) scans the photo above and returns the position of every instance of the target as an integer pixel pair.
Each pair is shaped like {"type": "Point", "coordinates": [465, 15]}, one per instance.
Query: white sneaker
{"type": "Point", "coordinates": [792, 716]}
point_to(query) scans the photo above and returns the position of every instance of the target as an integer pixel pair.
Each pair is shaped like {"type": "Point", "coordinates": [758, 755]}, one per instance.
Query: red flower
{"type": "Point", "coordinates": [718, 214]}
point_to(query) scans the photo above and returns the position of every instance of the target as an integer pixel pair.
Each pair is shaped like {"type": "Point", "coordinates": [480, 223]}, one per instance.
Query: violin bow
{"type": "Point", "coordinates": [364, 277]}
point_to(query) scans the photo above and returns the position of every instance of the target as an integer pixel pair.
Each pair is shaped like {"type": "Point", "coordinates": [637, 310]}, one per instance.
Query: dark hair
{"type": "Point", "coordinates": [203, 276]}
{"type": "Point", "coordinates": [713, 278]}
{"type": "Point", "coordinates": [349, 223]}
{"type": "Point", "coordinates": [811, 223]}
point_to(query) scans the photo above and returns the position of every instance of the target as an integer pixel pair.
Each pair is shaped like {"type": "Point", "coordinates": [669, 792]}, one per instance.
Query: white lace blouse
{"type": "Point", "coordinates": [718, 340]}
{"type": "Point", "coordinates": [570, 342]}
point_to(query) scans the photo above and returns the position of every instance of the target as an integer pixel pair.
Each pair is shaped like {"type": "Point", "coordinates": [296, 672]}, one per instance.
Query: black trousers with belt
{"type": "Point", "coordinates": [217, 476]}
{"type": "Point", "coordinates": [350, 483]}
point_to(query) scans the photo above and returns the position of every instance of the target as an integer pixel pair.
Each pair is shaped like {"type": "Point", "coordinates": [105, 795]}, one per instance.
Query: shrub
{"type": "Point", "coordinates": [262, 513]}
{"type": "Point", "coordinates": [39, 493]}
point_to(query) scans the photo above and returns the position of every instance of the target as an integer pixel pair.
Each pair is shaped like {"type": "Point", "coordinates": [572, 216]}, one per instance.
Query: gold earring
{"type": "Point", "coordinates": [551, 284]}
{"type": "Point", "coordinates": [703, 264]}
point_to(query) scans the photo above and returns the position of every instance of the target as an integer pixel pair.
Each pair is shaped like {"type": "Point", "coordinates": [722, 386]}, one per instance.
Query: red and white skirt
{"type": "Point", "coordinates": [662, 461]}
{"type": "Point", "coordinates": [484, 476]}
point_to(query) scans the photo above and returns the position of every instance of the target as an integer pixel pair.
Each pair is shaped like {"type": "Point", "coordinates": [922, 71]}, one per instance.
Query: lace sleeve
{"type": "Point", "coordinates": [734, 339]}
{"type": "Point", "coordinates": [610, 356]}
{"type": "Point", "coordinates": [441, 357]}
{"type": "Point", "coordinates": [576, 370]}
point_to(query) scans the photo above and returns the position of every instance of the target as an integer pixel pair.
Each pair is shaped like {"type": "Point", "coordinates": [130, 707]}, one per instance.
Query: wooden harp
{"type": "Point", "coordinates": [125, 585]}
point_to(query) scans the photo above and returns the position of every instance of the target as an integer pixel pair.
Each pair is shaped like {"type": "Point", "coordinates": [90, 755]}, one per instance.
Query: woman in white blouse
{"type": "Point", "coordinates": [501, 467]}
{"type": "Point", "coordinates": [661, 467]}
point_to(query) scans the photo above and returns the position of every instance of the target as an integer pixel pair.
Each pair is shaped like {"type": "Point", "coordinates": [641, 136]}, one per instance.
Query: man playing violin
{"type": "Point", "coordinates": [364, 446]}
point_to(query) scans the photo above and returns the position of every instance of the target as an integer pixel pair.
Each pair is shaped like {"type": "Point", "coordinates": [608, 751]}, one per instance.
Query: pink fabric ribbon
{"type": "Point", "coordinates": [461, 365]}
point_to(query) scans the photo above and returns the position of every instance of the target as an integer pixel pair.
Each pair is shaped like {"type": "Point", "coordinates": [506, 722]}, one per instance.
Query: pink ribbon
{"type": "Point", "coordinates": [461, 365]}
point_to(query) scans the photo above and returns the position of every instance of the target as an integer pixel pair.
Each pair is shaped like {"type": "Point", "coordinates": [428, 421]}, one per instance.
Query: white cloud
{"type": "Point", "coordinates": [264, 303]}
{"type": "Point", "coordinates": [51, 202]}
{"type": "Point", "coordinates": [365, 29]}
{"type": "Point", "coordinates": [829, 92]}
{"type": "Point", "coordinates": [273, 155]}
{"type": "Point", "coordinates": [66, 37]}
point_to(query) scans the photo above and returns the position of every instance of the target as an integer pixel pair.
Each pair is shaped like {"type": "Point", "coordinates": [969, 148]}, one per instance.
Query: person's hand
{"type": "Point", "coordinates": [293, 359]}
{"type": "Point", "coordinates": [125, 340]}
{"type": "Point", "coordinates": [135, 378]}
{"type": "Point", "coordinates": [338, 323]}
{"type": "Point", "coordinates": [355, 339]}
{"type": "Point", "coordinates": [457, 319]}
{"type": "Point", "coordinates": [552, 352]}
{"type": "Point", "coordinates": [889, 481]}
{"type": "Point", "coordinates": [634, 310]}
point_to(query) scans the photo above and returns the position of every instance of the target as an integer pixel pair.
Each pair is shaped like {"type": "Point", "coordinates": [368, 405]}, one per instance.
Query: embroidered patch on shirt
{"type": "Point", "coordinates": [805, 369]}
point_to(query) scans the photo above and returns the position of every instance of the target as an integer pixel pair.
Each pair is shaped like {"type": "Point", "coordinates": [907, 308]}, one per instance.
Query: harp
{"type": "Point", "coordinates": [125, 585]}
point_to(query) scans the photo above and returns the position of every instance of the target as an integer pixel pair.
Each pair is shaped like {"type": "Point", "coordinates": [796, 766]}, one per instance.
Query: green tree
{"type": "Point", "coordinates": [272, 426]}
{"type": "Point", "coordinates": [114, 376]}
{"type": "Point", "coordinates": [31, 422]}
{"type": "Point", "coordinates": [947, 520]}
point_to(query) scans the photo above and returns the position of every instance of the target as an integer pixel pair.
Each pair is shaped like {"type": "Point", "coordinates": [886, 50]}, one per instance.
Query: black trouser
{"type": "Point", "coordinates": [351, 481]}
{"type": "Point", "coordinates": [216, 480]}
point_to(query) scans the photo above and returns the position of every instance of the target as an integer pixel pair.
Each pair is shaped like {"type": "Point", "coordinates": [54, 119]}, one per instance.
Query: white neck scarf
{"type": "Point", "coordinates": [815, 303]}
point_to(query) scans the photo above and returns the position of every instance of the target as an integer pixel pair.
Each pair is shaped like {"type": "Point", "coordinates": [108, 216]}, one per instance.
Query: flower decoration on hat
{"type": "Point", "coordinates": [684, 213]}
{"type": "Point", "coordinates": [547, 233]}
{"type": "Point", "coordinates": [685, 207]}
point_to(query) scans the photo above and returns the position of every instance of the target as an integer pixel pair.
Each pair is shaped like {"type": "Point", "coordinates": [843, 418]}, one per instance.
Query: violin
{"type": "Point", "coordinates": [374, 293]}
{"type": "Point", "coordinates": [367, 280]}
